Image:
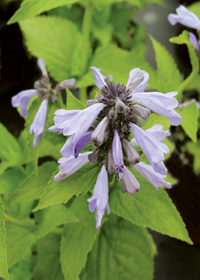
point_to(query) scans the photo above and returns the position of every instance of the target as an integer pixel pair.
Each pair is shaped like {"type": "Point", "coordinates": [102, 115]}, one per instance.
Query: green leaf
{"type": "Point", "coordinates": [33, 187]}
{"type": "Point", "coordinates": [19, 241]}
{"type": "Point", "coordinates": [195, 8]}
{"type": "Point", "coordinates": [10, 179]}
{"type": "Point", "coordinates": [73, 103]}
{"type": "Point", "coordinates": [31, 8]}
{"type": "Point", "coordinates": [53, 216]}
{"type": "Point", "coordinates": [118, 63]}
{"type": "Point", "coordinates": [122, 251]}
{"type": "Point", "coordinates": [3, 254]}
{"type": "Point", "coordinates": [194, 149]}
{"type": "Point", "coordinates": [54, 39]}
{"type": "Point", "coordinates": [81, 181]}
{"type": "Point", "coordinates": [22, 270]}
{"type": "Point", "coordinates": [150, 208]}
{"type": "Point", "coordinates": [156, 119]}
{"type": "Point", "coordinates": [78, 239]}
{"type": "Point", "coordinates": [10, 152]}
{"type": "Point", "coordinates": [189, 122]}
{"type": "Point", "coordinates": [184, 39]}
{"type": "Point", "coordinates": [169, 77]}
{"type": "Point", "coordinates": [48, 259]}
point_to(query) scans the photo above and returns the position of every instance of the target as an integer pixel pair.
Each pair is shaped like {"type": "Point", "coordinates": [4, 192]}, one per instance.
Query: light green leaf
{"type": "Point", "coordinates": [51, 217]}
{"type": "Point", "coordinates": [22, 270]}
{"type": "Point", "coordinates": [184, 39]}
{"type": "Point", "coordinates": [195, 8]}
{"type": "Point", "coordinates": [54, 39]}
{"type": "Point", "coordinates": [19, 241]}
{"type": "Point", "coordinates": [48, 259]}
{"type": "Point", "coordinates": [81, 181]}
{"type": "Point", "coordinates": [169, 77]}
{"type": "Point", "coordinates": [3, 254]}
{"type": "Point", "coordinates": [73, 103]}
{"type": "Point", "coordinates": [194, 149]}
{"type": "Point", "coordinates": [156, 119]}
{"type": "Point", "coordinates": [10, 180]}
{"type": "Point", "coordinates": [33, 187]}
{"type": "Point", "coordinates": [189, 122]}
{"type": "Point", "coordinates": [31, 8]}
{"type": "Point", "coordinates": [150, 208]}
{"type": "Point", "coordinates": [122, 251]}
{"type": "Point", "coordinates": [78, 239]}
{"type": "Point", "coordinates": [118, 63]}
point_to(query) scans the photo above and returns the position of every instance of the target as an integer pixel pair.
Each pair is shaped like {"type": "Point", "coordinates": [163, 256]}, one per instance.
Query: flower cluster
{"type": "Point", "coordinates": [108, 121]}
{"type": "Point", "coordinates": [43, 89]}
{"type": "Point", "coordinates": [187, 18]}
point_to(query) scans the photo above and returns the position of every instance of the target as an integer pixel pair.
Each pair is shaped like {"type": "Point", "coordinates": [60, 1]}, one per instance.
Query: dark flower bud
{"type": "Point", "coordinates": [109, 79]}
{"type": "Point", "coordinates": [126, 110]}
{"type": "Point", "coordinates": [112, 114]}
{"type": "Point", "coordinates": [91, 102]}
{"type": "Point", "coordinates": [124, 128]}
{"type": "Point", "coordinates": [119, 105]}
{"type": "Point", "coordinates": [93, 157]}
{"type": "Point", "coordinates": [132, 155]}
{"type": "Point", "coordinates": [140, 111]}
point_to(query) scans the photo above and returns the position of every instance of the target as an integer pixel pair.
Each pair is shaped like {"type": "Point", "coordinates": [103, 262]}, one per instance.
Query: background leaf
{"type": "Point", "coordinates": [122, 251]}
{"type": "Point", "coordinates": [22, 270]}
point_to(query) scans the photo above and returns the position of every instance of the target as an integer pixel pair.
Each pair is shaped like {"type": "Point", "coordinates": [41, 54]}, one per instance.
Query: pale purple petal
{"type": "Point", "coordinates": [55, 129]}
{"type": "Point", "coordinates": [160, 103]}
{"type": "Point", "coordinates": [98, 135]}
{"type": "Point", "coordinates": [151, 176]}
{"type": "Point", "coordinates": [99, 200]}
{"type": "Point", "coordinates": [70, 83]}
{"type": "Point", "coordinates": [118, 155]}
{"type": "Point", "coordinates": [99, 78]}
{"type": "Point", "coordinates": [143, 84]}
{"type": "Point", "coordinates": [63, 117]}
{"type": "Point", "coordinates": [42, 67]}
{"type": "Point", "coordinates": [70, 165]}
{"type": "Point", "coordinates": [135, 78]}
{"type": "Point", "coordinates": [22, 100]}
{"type": "Point", "coordinates": [38, 125]}
{"type": "Point", "coordinates": [194, 41]}
{"type": "Point", "coordinates": [185, 17]}
{"type": "Point", "coordinates": [130, 183]}
{"type": "Point", "coordinates": [59, 176]}
{"type": "Point", "coordinates": [159, 167]}
{"type": "Point", "coordinates": [82, 143]}
{"type": "Point", "coordinates": [151, 147]}
{"type": "Point", "coordinates": [184, 104]}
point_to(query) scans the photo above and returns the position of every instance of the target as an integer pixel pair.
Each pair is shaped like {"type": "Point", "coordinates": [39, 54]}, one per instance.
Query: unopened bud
{"type": "Point", "coordinates": [140, 111]}
{"type": "Point", "coordinates": [99, 135]}
{"type": "Point", "coordinates": [119, 105]}
{"type": "Point", "coordinates": [93, 157]}
{"type": "Point", "coordinates": [91, 102]}
{"type": "Point", "coordinates": [112, 114]}
{"type": "Point", "coordinates": [132, 155]}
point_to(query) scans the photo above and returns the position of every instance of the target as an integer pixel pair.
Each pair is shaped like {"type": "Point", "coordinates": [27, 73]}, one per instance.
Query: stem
{"type": "Point", "coordinates": [82, 95]}
{"type": "Point", "coordinates": [184, 84]}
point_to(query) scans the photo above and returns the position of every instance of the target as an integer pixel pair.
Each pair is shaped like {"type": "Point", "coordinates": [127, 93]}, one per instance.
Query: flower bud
{"type": "Point", "coordinates": [140, 111]}
{"type": "Point", "coordinates": [91, 102]}
{"type": "Point", "coordinates": [93, 157]}
{"type": "Point", "coordinates": [112, 114]}
{"type": "Point", "coordinates": [132, 155]}
{"type": "Point", "coordinates": [99, 135]}
{"type": "Point", "coordinates": [119, 105]}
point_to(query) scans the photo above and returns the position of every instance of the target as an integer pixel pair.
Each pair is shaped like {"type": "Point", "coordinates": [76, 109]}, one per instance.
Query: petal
{"type": "Point", "coordinates": [99, 78]}
{"type": "Point", "coordinates": [82, 143]}
{"type": "Point", "coordinates": [41, 65]}
{"type": "Point", "coordinates": [60, 176]}
{"type": "Point", "coordinates": [98, 135]}
{"type": "Point", "coordinates": [22, 100]}
{"type": "Point", "coordinates": [150, 175]}
{"type": "Point", "coordinates": [143, 85]}
{"type": "Point", "coordinates": [157, 131]}
{"type": "Point", "coordinates": [130, 183]}
{"type": "Point", "coordinates": [159, 167]}
{"type": "Point", "coordinates": [70, 83]}
{"type": "Point", "coordinates": [63, 117]}
{"type": "Point", "coordinates": [135, 78]}
{"type": "Point", "coordinates": [194, 41]}
{"type": "Point", "coordinates": [38, 125]}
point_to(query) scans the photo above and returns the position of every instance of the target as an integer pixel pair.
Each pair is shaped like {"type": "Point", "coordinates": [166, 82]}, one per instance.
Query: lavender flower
{"type": "Point", "coordinates": [117, 156]}
{"type": "Point", "coordinates": [99, 200]}
{"type": "Point", "coordinates": [45, 93]}
{"type": "Point", "coordinates": [193, 40]}
{"type": "Point", "coordinates": [185, 17]}
{"type": "Point", "coordinates": [130, 183]}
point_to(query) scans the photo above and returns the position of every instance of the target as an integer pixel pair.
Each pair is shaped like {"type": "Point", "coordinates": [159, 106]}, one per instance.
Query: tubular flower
{"type": "Point", "coordinates": [42, 88]}
{"type": "Point", "coordinates": [108, 121]}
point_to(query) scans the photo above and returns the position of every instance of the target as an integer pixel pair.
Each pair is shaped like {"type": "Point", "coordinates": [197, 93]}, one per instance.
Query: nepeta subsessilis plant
{"type": "Point", "coordinates": [43, 89]}
{"type": "Point", "coordinates": [108, 121]}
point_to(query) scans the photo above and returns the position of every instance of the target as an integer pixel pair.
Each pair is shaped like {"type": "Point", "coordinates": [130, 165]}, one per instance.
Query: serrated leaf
{"type": "Point", "coordinates": [169, 77]}
{"type": "Point", "coordinates": [118, 63]}
{"type": "Point", "coordinates": [10, 179]}
{"type": "Point", "coordinates": [150, 208]}
{"type": "Point", "coordinates": [189, 122]}
{"type": "Point", "coordinates": [77, 239]}
{"type": "Point", "coordinates": [195, 8]}
{"type": "Point", "coordinates": [73, 103]}
{"type": "Point", "coordinates": [48, 259]}
{"type": "Point", "coordinates": [184, 39]}
{"type": "Point", "coordinates": [31, 8]}
{"type": "Point", "coordinates": [3, 254]}
{"type": "Point", "coordinates": [122, 251]}
{"type": "Point", "coordinates": [54, 39]}
{"type": "Point", "coordinates": [33, 187]}
{"type": "Point", "coordinates": [194, 149]}
{"type": "Point", "coordinates": [156, 119]}
{"type": "Point", "coordinates": [19, 241]}
{"type": "Point", "coordinates": [22, 270]}
{"type": "Point", "coordinates": [81, 181]}
{"type": "Point", "coordinates": [51, 217]}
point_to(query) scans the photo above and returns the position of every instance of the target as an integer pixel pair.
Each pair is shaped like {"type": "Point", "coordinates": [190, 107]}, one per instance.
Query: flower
{"type": "Point", "coordinates": [45, 93]}
{"type": "Point", "coordinates": [99, 200]}
{"type": "Point", "coordinates": [194, 41]}
{"type": "Point", "coordinates": [70, 165]}
{"type": "Point", "coordinates": [130, 183]}
{"type": "Point", "coordinates": [185, 17]}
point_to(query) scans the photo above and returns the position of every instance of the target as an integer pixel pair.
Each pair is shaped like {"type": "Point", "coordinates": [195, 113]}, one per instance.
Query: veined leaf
{"type": "Point", "coordinates": [73, 103]}
{"type": "Point", "coordinates": [81, 181]}
{"type": "Point", "coordinates": [122, 251]}
{"type": "Point", "coordinates": [31, 8]}
{"type": "Point", "coordinates": [195, 8]}
{"type": "Point", "coordinates": [150, 208]}
{"type": "Point", "coordinates": [169, 77]}
{"type": "Point", "coordinates": [189, 122]}
{"type": "Point", "coordinates": [78, 239]}
{"type": "Point", "coordinates": [10, 180]}
{"type": "Point", "coordinates": [3, 254]}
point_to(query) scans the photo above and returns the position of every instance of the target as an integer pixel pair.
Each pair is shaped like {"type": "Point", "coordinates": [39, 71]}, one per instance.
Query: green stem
{"type": "Point", "coordinates": [85, 47]}
{"type": "Point", "coordinates": [184, 85]}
